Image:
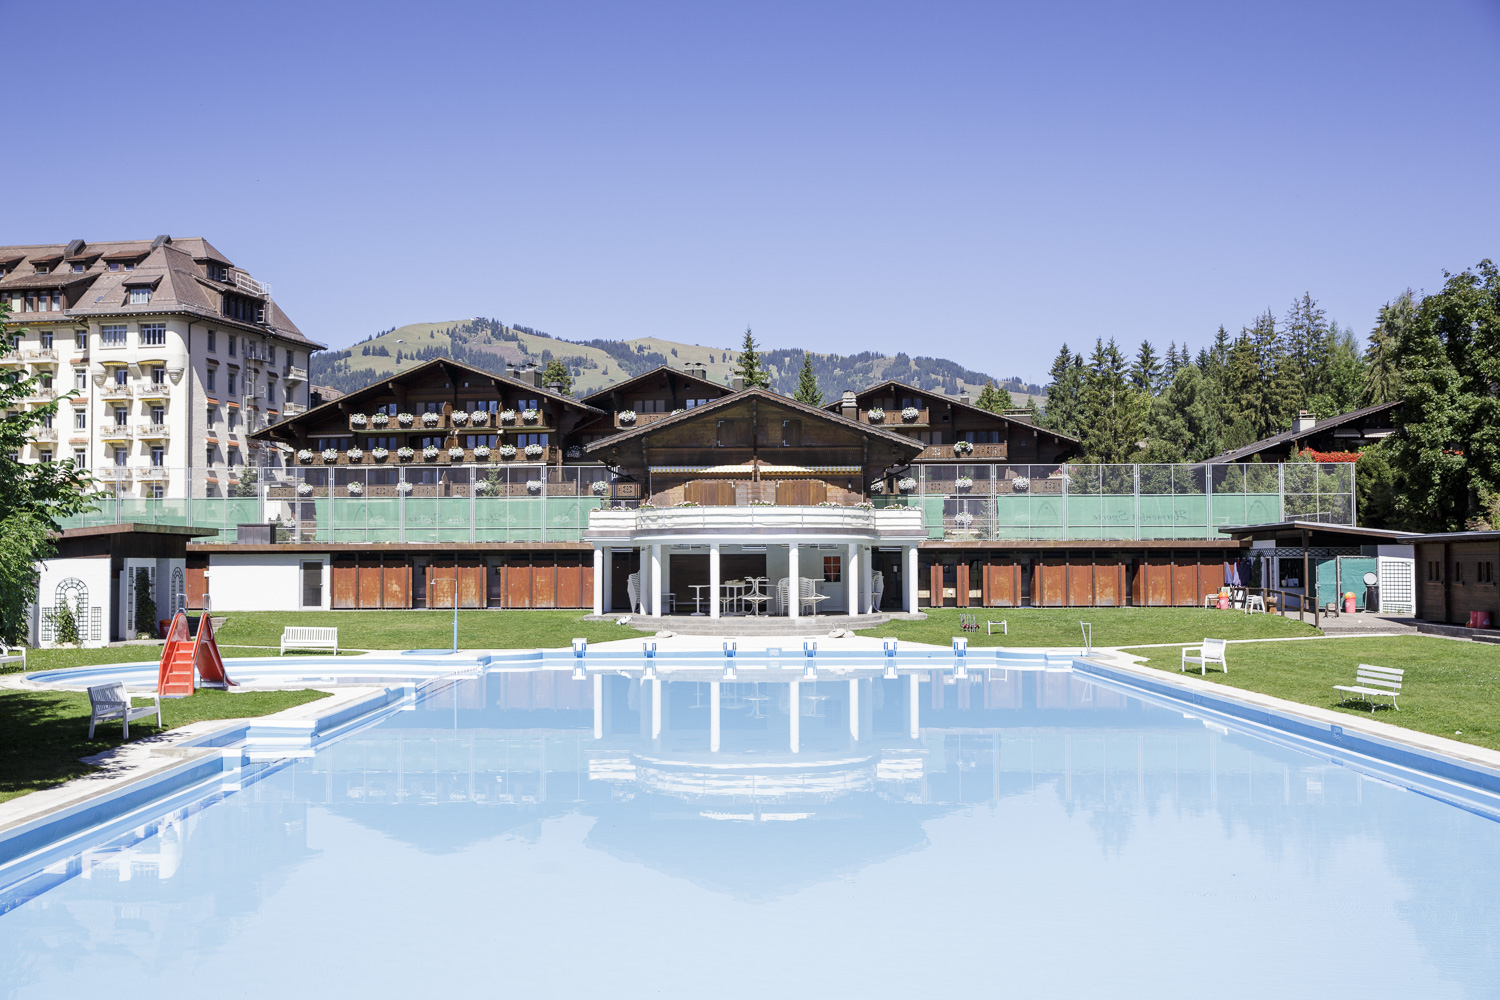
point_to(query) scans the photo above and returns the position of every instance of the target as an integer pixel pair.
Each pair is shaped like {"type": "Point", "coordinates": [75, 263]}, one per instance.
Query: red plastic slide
{"type": "Point", "coordinates": [185, 654]}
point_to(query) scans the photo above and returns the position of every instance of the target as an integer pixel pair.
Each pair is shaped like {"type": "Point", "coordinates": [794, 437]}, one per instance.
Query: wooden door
{"type": "Point", "coordinates": [197, 580]}
{"type": "Point", "coordinates": [345, 582]}
{"type": "Point", "coordinates": [543, 582]}
{"type": "Point", "coordinates": [396, 579]}
{"type": "Point", "coordinates": [1109, 575]}
{"type": "Point", "coordinates": [1002, 584]}
{"type": "Point", "coordinates": [441, 581]}
{"type": "Point", "coordinates": [710, 492]}
{"type": "Point", "coordinates": [586, 585]}
{"type": "Point", "coordinates": [961, 584]}
{"type": "Point", "coordinates": [935, 584]}
{"type": "Point", "coordinates": [1081, 580]}
{"type": "Point", "coordinates": [1053, 571]}
{"type": "Point", "coordinates": [801, 492]}
{"type": "Point", "coordinates": [1187, 589]}
{"type": "Point", "coordinates": [518, 581]}
{"type": "Point", "coordinates": [470, 582]}
{"type": "Point", "coordinates": [368, 581]}
{"type": "Point", "coordinates": [1158, 570]}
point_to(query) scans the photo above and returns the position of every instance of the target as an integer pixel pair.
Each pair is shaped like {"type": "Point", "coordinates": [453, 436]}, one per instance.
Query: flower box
{"type": "Point", "coordinates": [356, 454]}
{"type": "Point", "coordinates": [305, 455]}
{"type": "Point", "coordinates": [380, 419]}
{"type": "Point", "coordinates": [405, 419]}
{"type": "Point", "coordinates": [530, 416]}
{"type": "Point", "coordinates": [507, 451]}
{"type": "Point", "coordinates": [627, 416]}
{"type": "Point", "coordinates": [507, 416]}
{"type": "Point", "coordinates": [533, 450]}
{"type": "Point", "coordinates": [876, 415]}
{"type": "Point", "coordinates": [405, 454]}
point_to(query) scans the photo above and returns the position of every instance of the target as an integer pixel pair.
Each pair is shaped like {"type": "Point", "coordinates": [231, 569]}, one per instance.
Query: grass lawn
{"type": "Point", "coordinates": [45, 732]}
{"type": "Point", "coordinates": [1450, 689]}
{"type": "Point", "coordinates": [1112, 626]}
{"type": "Point", "coordinates": [54, 659]}
{"type": "Point", "coordinates": [518, 629]}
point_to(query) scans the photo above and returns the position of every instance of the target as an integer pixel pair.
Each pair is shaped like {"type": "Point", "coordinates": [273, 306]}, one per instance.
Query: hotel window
{"type": "Point", "coordinates": [158, 375]}
{"type": "Point", "coordinates": [475, 440]}
{"type": "Point", "coordinates": [57, 301]}
{"type": "Point", "coordinates": [158, 415]}
{"type": "Point", "coordinates": [140, 296]}
{"type": "Point", "coordinates": [122, 416]}
{"type": "Point", "coordinates": [46, 420]}
{"type": "Point", "coordinates": [80, 420]}
{"type": "Point", "coordinates": [271, 354]}
{"type": "Point", "coordinates": [208, 454]}
{"type": "Point", "coordinates": [213, 374]}
{"type": "Point", "coordinates": [432, 408]}
{"type": "Point", "coordinates": [211, 416]}
{"type": "Point", "coordinates": [78, 267]}
{"type": "Point", "coordinates": [230, 382]}
{"type": "Point", "coordinates": [112, 335]}
{"type": "Point", "coordinates": [530, 404]}
{"type": "Point", "coordinates": [130, 265]}
{"type": "Point", "coordinates": [46, 340]}
{"type": "Point", "coordinates": [692, 404]}
{"type": "Point", "coordinates": [649, 405]}
{"type": "Point", "coordinates": [41, 268]}
{"type": "Point", "coordinates": [270, 391]}
{"type": "Point", "coordinates": [46, 456]}
{"type": "Point", "coordinates": [522, 440]}
{"type": "Point", "coordinates": [153, 334]}
{"type": "Point", "coordinates": [122, 375]}
{"type": "Point", "coordinates": [120, 455]}
{"type": "Point", "coordinates": [389, 443]}
{"type": "Point", "coordinates": [158, 456]}
{"type": "Point", "coordinates": [231, 345]}
{"type": "Point", "coordinates": [980, 437]}
{"type": "Point", "coordinates": [46, 380]}
{"type": "Point", "coordinates": [915, 401]}
{"type": "Point", "coordinates": [157, 491]}
{"type": "Point", "coordinates": [114, 265]}
{"type": "Point", "coordinates": [80, 340]}
{"type": "Point", "coordinates": [342, 443]}
{"type": "Point", "coordinates": [430, 441]}
{"type": "Point", "coordinates": [81, 457]}
{"type": "Point", "coordinates": [234, 418]}
{"type": "Point", "coordinates": [234, 457]}
{"type": "Point", "coordinates": [832, 569]}
{"type": "Point", "coordinates": [212, 345]}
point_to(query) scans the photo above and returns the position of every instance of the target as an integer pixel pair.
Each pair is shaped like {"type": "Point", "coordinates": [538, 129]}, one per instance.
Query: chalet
{"type": "Point", "coordinates": [1340, 435]}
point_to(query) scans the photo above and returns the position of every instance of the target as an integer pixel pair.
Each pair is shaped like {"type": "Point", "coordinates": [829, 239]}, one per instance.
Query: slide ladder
{"type": "Point", "coordinates": [190, 651]}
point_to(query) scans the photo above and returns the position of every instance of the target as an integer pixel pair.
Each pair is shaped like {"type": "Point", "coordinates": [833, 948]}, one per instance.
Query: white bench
{"type": "Point", "coordinates": [1212, 651]}
{"type": "Point", "coordinates": [110, 701]}
{"type": "Point", "coordinates": [9, 654]}
{"type": "Point", "coordinates": [1371, 682]}
{"type": "Point", "coordinates": [309, 637]}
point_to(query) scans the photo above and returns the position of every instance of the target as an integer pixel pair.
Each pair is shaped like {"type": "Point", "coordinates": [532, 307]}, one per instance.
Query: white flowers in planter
{"type": "Point", "coordinates": [533, 486]}
{"type": "Point", "coordinates": [456, 453]}
{"type": "Point", "coordinates": [305, 455]}
{"type": "Point", "coordinates": [600, 488]}
{"type": "Point", "coordinates": [459, 418]}
{"type": "Point", "coordinates": [529, 416]}
{"type": "Point", "coordinates": [507, 416]}
{"type": "Point", "coordinates": [405, 454]}
{"type": "Point", "coordinates": [482, 451]}
{"type": "Point", "coordinates": [404, 419]}
{"type": "Point", "coordinates": [876, 414]}
{"type": "Point", "coordinates": [403, 487]}
{"type": "Point", "coordinates": [482, 486]}
{"type": "Point", "coordinates": [627, 416]}
{"type": "Point", "coordinates": [304, 489]}
{"type": "Point", "coordinates": [356, 454]}
{"type": "Point", "coordinates": [380, 419]}
{"type": "Point", "coordinates": [330, 455]}
{"type": "Point", "coordinates": [356, 489]}
{"type": "Point", "coordinates": [479, 418]}
{"type": "Point", "coordinates": [680, 409]}
{"type": "Point", "coordinates": [379, 454]}
{"type": "Point", "coordinates": [827, 503]}
{"type": "Point", "coordinates": [357, 419]}
{"type": "Point", "coordinates": [431, 419]}
{"type": "Point", "coordinates": [533, 450]}
{"type": "Point", "coordinates": [507, 451]}
{"type": "Point", "coordinates": [963, 447]}
{"type": "Point", "coordinates": [430, 452]}
{"type": "Point", "coordinates": [910, 413]}
{"type": "Point", "coordinates": [878, 486]}
{"type": "Point", "coordinates": [906, 484]}
{"type": "Point", "coordinates": [686, 503]}
{"type": "Point", "coordinates": [964, 518]}
{"type": "Point", "coordinates": [963, 483]}
{"type": "Point", "coordinates": [574, 451]}
{"type": "Point", "coordinates": [1020, 484]}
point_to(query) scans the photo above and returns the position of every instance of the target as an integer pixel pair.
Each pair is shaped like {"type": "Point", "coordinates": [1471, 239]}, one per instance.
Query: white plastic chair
{"type": "Point", "coordinates": [808, 596]}
{"type": "Point", "coordinates": [633, 591]}
{"type": "Point", "coordinates": [779, 601]}
{"type": "Point", "coordinates": [877, 592]}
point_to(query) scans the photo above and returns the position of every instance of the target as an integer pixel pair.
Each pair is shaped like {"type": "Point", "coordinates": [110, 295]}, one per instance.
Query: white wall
{"type": "Point", "coordinates": [93, 573]}
{"type": "Point", "coordinates": [262, 581]}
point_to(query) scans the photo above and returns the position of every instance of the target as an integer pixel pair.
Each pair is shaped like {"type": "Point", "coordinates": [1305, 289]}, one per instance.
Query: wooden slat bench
{"type": "Point", "coordinates": [309, 637]}
{"type": "Point", "coordinates": [1371, 682]}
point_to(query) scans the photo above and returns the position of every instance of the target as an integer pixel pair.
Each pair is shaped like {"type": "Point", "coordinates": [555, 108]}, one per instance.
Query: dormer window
{"type": "Point", "coordinates": [79, 266]}
{"type": "Point", "coordinates": [43, 269]}
{"type": "Point", "coordinates": [218, 272]}
{"type": "Point", "coordinates": [140, 296]}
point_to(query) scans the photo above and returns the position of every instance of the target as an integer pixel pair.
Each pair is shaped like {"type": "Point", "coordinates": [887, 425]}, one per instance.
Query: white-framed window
{"type": "Point", "coordinates": [112, 335]}
{"type": "Point", "coordinates": [78, 267]}
{"type": "Point", "coordinates": [158, 456]}
{"type": "Point", "coordinates": [81, 457]}
{"type": "Point", "coordinates": [140, 296]}
{"type": "Point", "coordinates": [46, 456]}
{"type": "Point", "coordinates": [234, 417]}
{"type": "Point", "coordinates": [121, 455]}
{"type": "Point", "coordinates": [47, 340]}
{"type": "Point", "coordinates": [80, 340]}
{"type": "Point", "coordinates": [80, 379]}
{"type": "Point", "coordinates": [122, 416]}
{"type": "Point", "coordinates": [231, 345]}
{"type": "Point", "coordinates": [158, 375]}
{"type": "Point", "coordinates": [153, 334]}
{"type": "Point", "coordinates": [213, 344]}
{"type": "Point", "coordinates": [80, 420]}
{"type": "Point", "coordinates": [157, 491]}
{"type": "Point", "coordinates": [122, 375]}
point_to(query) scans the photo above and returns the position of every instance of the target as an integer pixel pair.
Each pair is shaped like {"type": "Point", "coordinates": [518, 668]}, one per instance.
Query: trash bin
{"type": "Point", "coordinates": [1479, 619]}
{"type": "Point", "coordinates": [1349, 603]}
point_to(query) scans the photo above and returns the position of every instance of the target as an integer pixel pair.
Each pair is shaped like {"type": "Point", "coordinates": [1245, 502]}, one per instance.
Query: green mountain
{"type": "Point", "coordinates": [491, 345]}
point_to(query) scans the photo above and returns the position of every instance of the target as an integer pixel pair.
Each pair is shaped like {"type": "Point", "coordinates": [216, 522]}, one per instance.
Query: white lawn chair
{"type": "Point", "coordinates": [13, 654]}
{"type": "Point", "coordinates": [877, 592]}
{"type": "Point", "coordinates": [110, 701]}
{"type": "Point", "coordinates": [633, 591]}
{"type": "Point", "coordinates": [1212, 651]}
{"type": "Point", "coordinates": [1371, 682]}
{"type": "Point", "coordinates": [778, 599]}
{"type": "Point", "coordinates": [808, 596]}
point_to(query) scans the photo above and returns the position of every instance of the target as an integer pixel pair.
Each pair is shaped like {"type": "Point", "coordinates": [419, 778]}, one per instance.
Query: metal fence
{"type": "Point", "coordinates": [982, 501]}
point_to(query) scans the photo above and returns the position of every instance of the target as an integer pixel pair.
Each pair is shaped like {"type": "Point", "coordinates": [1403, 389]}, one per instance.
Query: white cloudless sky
{"type": "Point", "coordinates": [977, 181]}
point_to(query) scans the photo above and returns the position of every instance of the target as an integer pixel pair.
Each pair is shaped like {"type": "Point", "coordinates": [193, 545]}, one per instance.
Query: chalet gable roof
{"type": "Point", "coordinates": [893, 384]}
{"type": "Point", "coordinates": [454, 370]}
{"type": "Point", "coordinates": [901, 441]}
{"type": "Point", "coordinates": [1288, 436]}
{"type": "Point", "coordinates": [629, 384]}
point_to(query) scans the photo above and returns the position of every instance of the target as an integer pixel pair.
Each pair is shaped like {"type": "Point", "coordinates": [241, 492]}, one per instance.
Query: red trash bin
{"type": "Point", "coordinates": [1223, 602]}
{"type": "Point", "coordinates": [1479, 619]}
{"type": "Point", "coordinates": [1349, 603]}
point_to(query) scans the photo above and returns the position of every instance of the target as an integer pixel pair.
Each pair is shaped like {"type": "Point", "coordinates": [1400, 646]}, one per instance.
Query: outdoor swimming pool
{"type": "Point", "coordinates": [1045, 834]}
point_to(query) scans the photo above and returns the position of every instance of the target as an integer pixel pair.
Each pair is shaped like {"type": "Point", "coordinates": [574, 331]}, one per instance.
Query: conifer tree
{"type": "Point", "coordinates": [1382, 380]}
{"type": "Point", "coordinates": [807, 384]}
{"type": "Point", "coordinates": [1145, 373]}
{"type": "Point", "coordinates": [748, 367]}
{"type": "Point", "coordinates": [557, 372]}
{"type": "Point", "coordinates": [1063, 392]}
{"type": "Point", "coordinates": [993, 398]}
{"type": "Point", "coordinates": [1113, 411]}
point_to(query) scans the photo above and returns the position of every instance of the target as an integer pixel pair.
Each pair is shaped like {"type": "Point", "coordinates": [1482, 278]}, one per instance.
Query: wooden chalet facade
{"type": "Point", "coordinates": [1456, 577]}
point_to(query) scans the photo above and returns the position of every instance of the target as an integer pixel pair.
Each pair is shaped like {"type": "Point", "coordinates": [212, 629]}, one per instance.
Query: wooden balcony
{"type": "Point", "coordinates": [981, 453]}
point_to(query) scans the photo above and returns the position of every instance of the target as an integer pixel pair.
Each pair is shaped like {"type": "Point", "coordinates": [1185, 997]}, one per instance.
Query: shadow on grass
{"type": "Point", "coordinates": [43, 734]}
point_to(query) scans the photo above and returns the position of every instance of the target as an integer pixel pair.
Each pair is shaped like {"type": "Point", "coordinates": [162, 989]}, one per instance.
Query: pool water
{"type": "Point", "coordinates": [1043, 836]}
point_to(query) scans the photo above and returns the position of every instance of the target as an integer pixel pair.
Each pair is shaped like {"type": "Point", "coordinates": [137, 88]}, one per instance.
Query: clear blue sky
{"type": "Point", "coordinates": [979, 181]}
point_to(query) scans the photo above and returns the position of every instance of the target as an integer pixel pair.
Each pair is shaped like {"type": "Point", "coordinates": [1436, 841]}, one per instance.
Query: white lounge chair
{"type": "Point", "coordinates": [1371, 682]}
{"type": "Point", "coordinates": [110, 701]}
{"type": "Point", "coordinates": [1212, 651]}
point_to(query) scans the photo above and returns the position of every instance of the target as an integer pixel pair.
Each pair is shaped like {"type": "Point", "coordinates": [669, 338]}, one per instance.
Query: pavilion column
{"type": "Point", "coordinates": [656, 708]}
{"type": "Point", "coordinates": [867, 567]}
{"type": "Point", "coordinates": [796, 716]}
{"type": "Point", "coordinates": [851, 577]}
{"type": "Point", "coordinates": [916, 704]}
{"type": "Point", "coordinates": [598, 706]}
{"type": "Point", "coordinates": [794, 589]}
{"type": "Point", "coordinates": [854, 709]}
{"type": "Point", "coordinates": [655, 581]}
{"type": "Point", "coordinates": [598, 579]}
{"type": "Point", "coordinates": [911, 578]}
{"type": "Point", "coordinates": [713, 717]}
{"type": "Point", "coordinates": [713, 596]}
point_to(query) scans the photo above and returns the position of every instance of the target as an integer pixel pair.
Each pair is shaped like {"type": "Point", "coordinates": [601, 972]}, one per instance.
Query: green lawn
{"type": "Point", "coordinates": [1450, 689]}
{"type": "Point", "coordinates": [47, 731]}
{"type": "Point", "coordinates": [519, 629]}
{"type": "Point", "coordinates": [54, 659]}
{"type": "Point", "coordinates": [1112, 626]}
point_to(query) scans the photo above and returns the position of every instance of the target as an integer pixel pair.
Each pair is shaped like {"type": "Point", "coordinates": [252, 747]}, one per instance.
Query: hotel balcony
{"type": "Point", "coordinates": [153, 390]}
{"type": "Point", "coordinates": [12, 357]}
{"type": "Point", "coordinates": [117, 390]}
{"type": "Point", "coordinates": [639, 420]}
{"type": "Point", "coordinates": [44, 434]}
{"type": "Point", "coordinates": [41, 394]}
{"type": "Point", "coordinates": [294, 374]}
{"type": "Point", "coordinates": [45, 357]}
{"type": "Point", "coordinates": [154, 474]}
{"type": "Point", "coordinates": [116, 432]}
{"type": "Point", "coordinates": [292, 409]}
{"type": "Point", "coordinates": [154, 432]}
{"type": "Point", "coordinates": [114, 474]}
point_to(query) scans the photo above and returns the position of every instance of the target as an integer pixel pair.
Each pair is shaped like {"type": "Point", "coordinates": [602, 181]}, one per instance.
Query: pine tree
{"type": "Point", "coordinates": [807, 384]}
{"type": "Point", "coordinates": [557, 372]}
{"type": "Point", "coordinates": [1063, 392]}
{"type": "Point", "coordinates": [748, 367]}
{"type": "Point", "coordinates": [1382, 380]}
{"type": "Point", "coordinates": [1113, 411]}
{"type": "Point", "coordinates": [1305, 341]}
{"type": "Point", "coordinates": [1171, 366]}
{"type": "Point", "coordinates": [1145, 373]}
{"type": "Point", "coordinates": [994, 398]}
